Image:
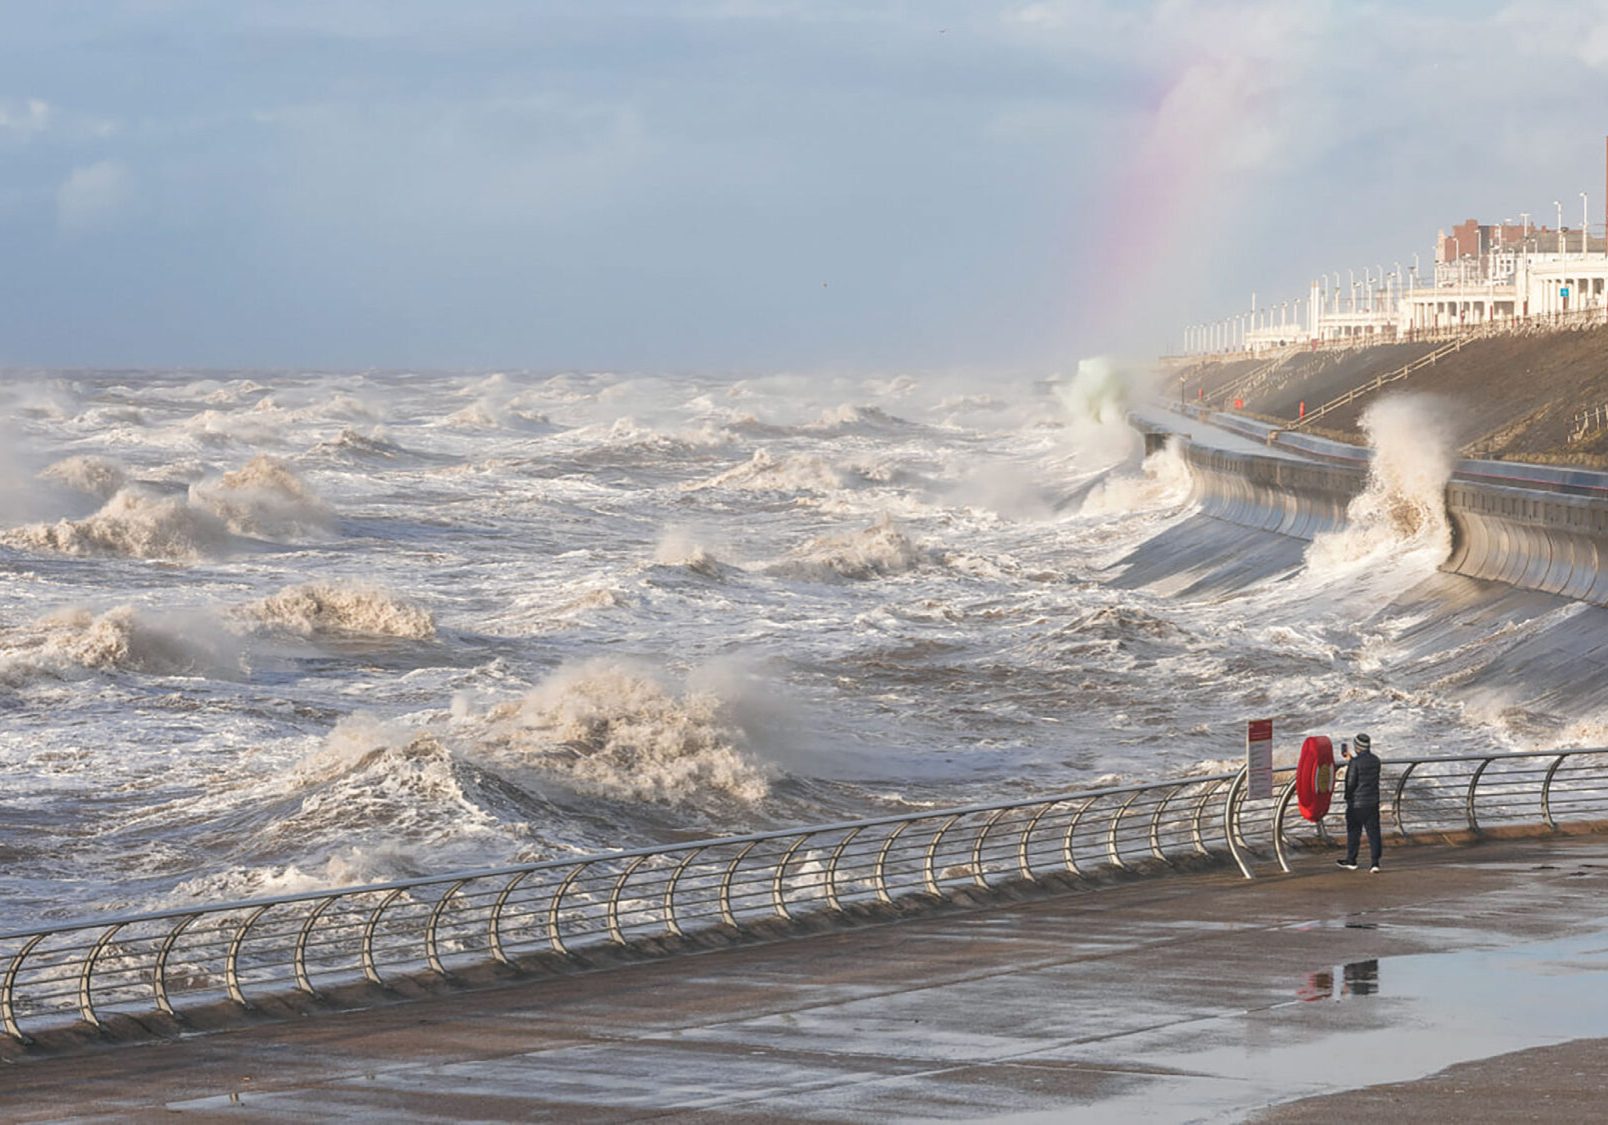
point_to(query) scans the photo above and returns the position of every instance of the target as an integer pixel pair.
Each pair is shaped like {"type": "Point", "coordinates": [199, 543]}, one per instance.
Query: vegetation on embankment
{"type": "Point", "coordinates": [1510, 396]}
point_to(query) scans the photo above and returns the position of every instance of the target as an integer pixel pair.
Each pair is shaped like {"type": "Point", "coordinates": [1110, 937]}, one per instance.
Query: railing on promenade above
{"type": "Point", "coordinates": [201, 954]}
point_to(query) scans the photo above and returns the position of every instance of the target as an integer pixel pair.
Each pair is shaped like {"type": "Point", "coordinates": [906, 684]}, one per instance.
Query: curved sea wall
{"type": "Point", "coordinates": [1545, 535]}
{"type": "Point", "coordinates": [1530, 538]}
{"type": "Point", "coordinates": [1276, 494]}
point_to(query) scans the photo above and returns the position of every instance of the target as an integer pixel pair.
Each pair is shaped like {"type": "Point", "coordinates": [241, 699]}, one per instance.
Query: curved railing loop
{"type": "Point", "coordinates": [86, 1001]}
{"type": "Point", "coordinates": [930, 863]}
{"type": "Point", "coordinates": [1230, 816]}
{"type": "Point", "coordinates": [778, 901]}
{"type": "Point", "coordinates": [1023, 862]}
{"type": "Point", "coordinates": [554, 938]}
{"type": "Point", "coordinates": [1546, 793]}
{"type": "Point", "coordinates": [371, 971]}
{"type": "Point", "coordinates": [159, 970]}
{"type": "Point", "coordinates": [612, 911]}
{"type": "Point", "coordinates": [1069, 852]}
{"type": "Point", "coordinates": [298, 958]}
{"type": "Point", "coordinates": [1278, 823]}
{"type": "Point", "coordinates": [494, 923]}
{"type": "Point", "coordinates": [671, 924]}
{"type": "Point", "coordinates": [726, 914]}
{"type": "Point", "coordinates": [8, 988]}
{"type": "Point", "coordinates": [231, 963]}
{"type": "Point", "coordinates": [432, 944]}
{"type": "Point", "coordinates": [1395, 800]}
{"type": "Point", "coordinates": [832, 899]}
{"type": "Point", "coordinates": [1468, 801]}
{"type": "Point", "coordinates": [1200, 815]}
{"type": "Point", "coordinates": [979, 878]}
{"type": "Point", "coordinates": [1113, 848]}
{"type": "Point", "coordinates": [880, 874]}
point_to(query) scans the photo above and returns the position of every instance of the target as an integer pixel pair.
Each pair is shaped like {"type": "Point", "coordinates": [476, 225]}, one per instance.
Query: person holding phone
{"type": "Point", "coordinates": [1362, 803]}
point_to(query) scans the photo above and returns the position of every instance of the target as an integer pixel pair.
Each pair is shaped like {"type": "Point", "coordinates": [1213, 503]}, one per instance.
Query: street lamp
{"type": "Point", "coordinates": [1559, 206]}
{"type": "Point", "coordinates": [1585, 221]}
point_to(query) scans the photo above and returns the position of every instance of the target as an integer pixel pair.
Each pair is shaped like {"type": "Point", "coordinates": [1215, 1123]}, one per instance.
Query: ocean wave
{"type": "Point", "coordinates": [613, 730]}
{"type": "Point", "coordinates": [96, 476]}
{"type": "Point", "coordinates": [123, 638]}
{"type": "Point", "coordinates": [266, 499]}
{"type": "Point", "coordinates": [135, 523]}
{"type": "Point", "coordinates": [323, 609]}
{"type": "Point", "coordinates": [878, 551]}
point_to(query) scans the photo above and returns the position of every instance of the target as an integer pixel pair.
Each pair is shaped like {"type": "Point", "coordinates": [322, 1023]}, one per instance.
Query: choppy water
{"type": "Point", "coordinates": [281, 631]}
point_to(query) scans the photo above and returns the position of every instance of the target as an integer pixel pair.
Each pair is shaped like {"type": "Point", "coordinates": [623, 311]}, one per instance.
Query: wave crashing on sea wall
{"type": "Point", "coordinates": [1401, 512]}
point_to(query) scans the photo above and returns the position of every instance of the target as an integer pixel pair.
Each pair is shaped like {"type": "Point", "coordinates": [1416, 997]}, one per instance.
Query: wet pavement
{"type": "Point", "coordinates": [1190, 997]}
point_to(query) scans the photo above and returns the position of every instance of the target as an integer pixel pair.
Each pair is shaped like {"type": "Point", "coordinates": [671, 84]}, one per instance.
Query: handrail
{"type": "Point", "coordinates": [558, 909]}
{"type": "Point", "coordinates": [1348, 397]}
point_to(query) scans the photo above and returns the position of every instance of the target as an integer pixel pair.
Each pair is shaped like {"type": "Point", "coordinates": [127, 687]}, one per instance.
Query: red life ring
{"type": "Point", "coordinates": [1314, 776]}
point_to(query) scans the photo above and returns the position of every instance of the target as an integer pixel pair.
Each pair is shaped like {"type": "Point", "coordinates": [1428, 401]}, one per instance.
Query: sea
{"type": "Point", "coordinates": [266, 632]}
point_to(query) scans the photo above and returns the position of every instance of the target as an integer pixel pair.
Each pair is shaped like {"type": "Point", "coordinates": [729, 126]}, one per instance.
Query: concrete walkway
{"type": "Point", "coordinates": [1189, 997]}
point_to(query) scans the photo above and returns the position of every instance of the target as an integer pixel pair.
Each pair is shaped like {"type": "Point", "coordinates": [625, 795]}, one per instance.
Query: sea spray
{"type": "Point", "coordinates": [617, 730]}
{"type": "Point", "coordinates": [1163, 480]}
{"type": "Point", "coordinates": [1401, 512]}
{"type": "Point", "coordinates": [328, 609]}
{"type": "Point", "coordinates": [265, 498]}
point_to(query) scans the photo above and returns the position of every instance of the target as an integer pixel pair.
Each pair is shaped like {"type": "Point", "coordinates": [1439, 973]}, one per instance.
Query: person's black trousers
{"type": "Point", "coordinates": [1356, 821]}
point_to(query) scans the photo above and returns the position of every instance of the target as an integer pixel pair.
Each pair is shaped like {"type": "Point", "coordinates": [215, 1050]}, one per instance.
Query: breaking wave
{"type": "Point", "coordinates": [95, 476]}
{"type": "Point", "coordinates": [135, 523]}
{"type": "Point", "coordinates": [322, 609]}
{"type": "Point", "coordinates": [616, 731]}
{"type": "Point", "coordinates": [878, 551]}
{"type": "Point", "coordinates": [123, 638]}
{"type": "Point", "coordinates": [265, 499]}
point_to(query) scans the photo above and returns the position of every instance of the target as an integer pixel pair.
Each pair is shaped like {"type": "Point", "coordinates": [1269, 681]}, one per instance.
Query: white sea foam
{"type": "Point", "coordinates": [97, 476]}
{"type": "Point", "coordinates": [617, 730]}
{"type": "Point", "coordinates": [266, 498]}
{"type": "Point", "coordinates": [325, 609]}
{"type": "Point", "coordinates": [877, 551]}
{"type": "Point", "coordinates": [135, 523]}
{"type": "Point", "coordinates": [1401, 514]}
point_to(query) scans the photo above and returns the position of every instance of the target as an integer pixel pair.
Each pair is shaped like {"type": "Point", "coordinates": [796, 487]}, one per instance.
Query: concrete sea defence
{"type": "Point", "coordinates": [1531, 527]}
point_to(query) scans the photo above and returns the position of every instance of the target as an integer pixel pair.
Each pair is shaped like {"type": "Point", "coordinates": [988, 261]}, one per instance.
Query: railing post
{"type": "Point", "coordinates": [1155, 824]}
{"type": "Point", "coordinates": [613, 912]}
{"type": "Point", "coordinates": [299, 957]}
{"type": "Point", "coordinates": [1278, 823]}
{"type": "Point", "coordinates": [777, 899]}
{"type": "Point", "coordinates": [370, 970]}
{"type": "Point", "coordinates": [1069, 853]}
{"type": "Point", "coordinates": [86, 1004]}
{"type": "Point", "coordinates": [1473, 782]}
{"type": "Point", "coordinates": [8, 989]}
{"type": "Point", "coordinates": [431, 948]}
{"type": "Point", "coordinates": [726, 914]}
{"type": "Point", "coordinates": [1231, 819]}
{"type": "Point", "coordinates": [494, 923]}
{"type": "Point", "coordinates": [231, 963]}
{"type": "Point", "coordinates": [880, 873]}
{"type": "Point", "coordinates": [978, 878]}
{"type": "Point", "coordinates": [554, 939]}
{"type": "Point", "coordinates": [928, 866]}
{"type": "Point", "coordinates": [1395, 800]}
{"type": "Point", "coordinates": [1546, 793]}
{"type": "Point", "coordinates": [1112, 848]}
{"type": "Point", "coordinates": [832, 870]}
{"type": "Point", "coordinates": [1200, 814]}
{"type": "Point", "coordinates": [159, 970]}
{"type": "Point", "coordinates": [1022, 860]}
{"type": "Point", "coordinates": [671, 925]}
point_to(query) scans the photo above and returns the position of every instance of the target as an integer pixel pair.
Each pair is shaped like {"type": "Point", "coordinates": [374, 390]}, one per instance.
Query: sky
{"type": "Point", "coordinates": [748, 185]}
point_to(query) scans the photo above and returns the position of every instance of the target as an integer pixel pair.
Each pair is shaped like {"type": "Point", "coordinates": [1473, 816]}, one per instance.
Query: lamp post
{"type": "Point", "coordinates": [1559, 206]}
{"type": "Point", "coordinates": [1585, 222]}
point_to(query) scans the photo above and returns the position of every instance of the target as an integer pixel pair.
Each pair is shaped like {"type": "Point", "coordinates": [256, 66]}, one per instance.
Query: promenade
{"type": "Point", "coordinates": [1195, 996]}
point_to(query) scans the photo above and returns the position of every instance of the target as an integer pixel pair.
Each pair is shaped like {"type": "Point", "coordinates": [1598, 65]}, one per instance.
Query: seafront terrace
{"type": "Point", "coordinates": [1106, 980]}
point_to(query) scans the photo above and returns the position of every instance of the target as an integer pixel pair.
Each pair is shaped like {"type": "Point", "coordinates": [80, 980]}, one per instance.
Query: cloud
{"type": "Point", "coordinates": [92, 195]}
{"type": "Point", "coordinates": [24, 117]}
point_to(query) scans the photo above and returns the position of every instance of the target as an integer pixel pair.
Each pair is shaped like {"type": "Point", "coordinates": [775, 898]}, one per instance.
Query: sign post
{"type": "Point", "coordinates": [1259, 759]}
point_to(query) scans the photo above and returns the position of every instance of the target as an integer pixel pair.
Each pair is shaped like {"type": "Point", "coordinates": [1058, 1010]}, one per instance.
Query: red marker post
{"type": "Point", "coordinates": [1259, 759]}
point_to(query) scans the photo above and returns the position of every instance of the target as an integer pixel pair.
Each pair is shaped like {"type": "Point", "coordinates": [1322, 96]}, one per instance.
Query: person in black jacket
{"type": "Point", "coordinates": [1362, 804]}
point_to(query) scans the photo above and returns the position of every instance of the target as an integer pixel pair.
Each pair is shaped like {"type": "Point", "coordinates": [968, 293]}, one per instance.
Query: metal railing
{"type": "Point", "coordinates": [1375, 383]}
{"type": "Point", "coordinates": [1588, 422]}
{"type": "Point", "coordinates": [561, 909]}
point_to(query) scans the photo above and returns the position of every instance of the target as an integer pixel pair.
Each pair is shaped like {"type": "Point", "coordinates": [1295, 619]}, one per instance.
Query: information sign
{"type": "Point", "coordinates": [1259, 759]}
